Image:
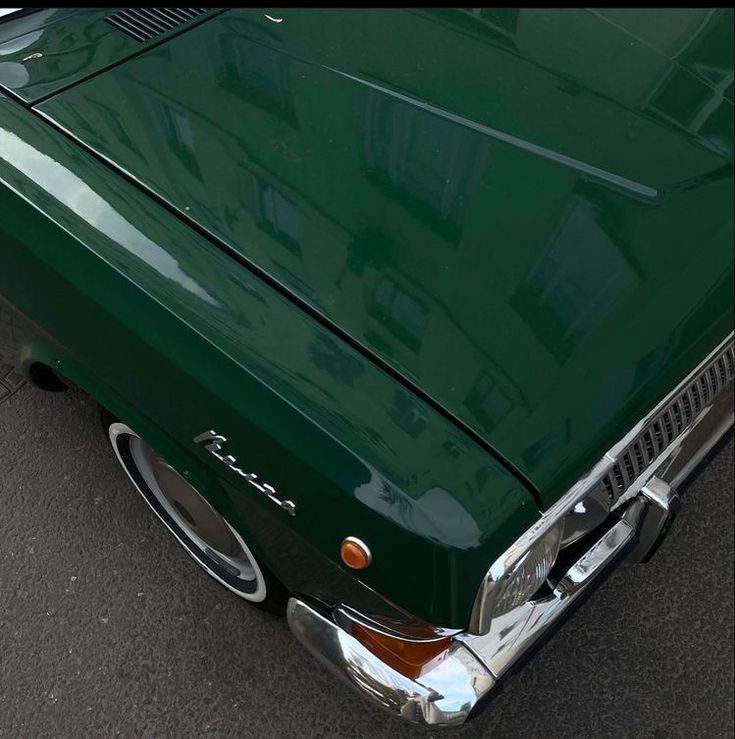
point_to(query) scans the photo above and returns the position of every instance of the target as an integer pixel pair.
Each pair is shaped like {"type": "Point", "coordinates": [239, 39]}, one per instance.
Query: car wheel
{"type": "Point", "coordinates": [203, 532]}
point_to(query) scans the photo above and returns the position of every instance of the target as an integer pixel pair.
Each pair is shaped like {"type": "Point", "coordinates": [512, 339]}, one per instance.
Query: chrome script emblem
{"type": "Point", "coordinates": [214, 445]}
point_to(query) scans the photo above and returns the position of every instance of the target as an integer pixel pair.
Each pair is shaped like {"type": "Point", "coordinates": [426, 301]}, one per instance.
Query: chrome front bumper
{"type": "Point", "coordinates": [448, 693]}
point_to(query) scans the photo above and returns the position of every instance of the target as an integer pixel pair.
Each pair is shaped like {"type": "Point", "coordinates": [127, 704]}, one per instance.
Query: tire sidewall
{"type": "Point", "coordinates": [266, 586]}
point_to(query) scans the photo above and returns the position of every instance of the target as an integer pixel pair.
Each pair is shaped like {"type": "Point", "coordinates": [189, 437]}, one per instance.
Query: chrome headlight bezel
{"type": "Point", "coordinates": [491, 587]}
{"type": "Point", "coordinates": [514, 582]}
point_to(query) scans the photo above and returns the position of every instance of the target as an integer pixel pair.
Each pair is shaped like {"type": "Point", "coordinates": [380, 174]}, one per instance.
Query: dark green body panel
{"type": "Point", "coordinates": [176, 338]}
{"type": "Point", "coordinates": [511, 232]}
{"type": "Point", "coordinates": [700, 39]}
{"type": "Point", "coordinates": [493, 227]}
{"type": "Point", "coordinates": [46, 51]}
{"type": "Point", "coordinates": [525, 213]}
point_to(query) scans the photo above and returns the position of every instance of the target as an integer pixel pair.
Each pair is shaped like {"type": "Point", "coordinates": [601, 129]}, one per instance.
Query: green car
{"type": "Point", "coordinates": [408, 324]}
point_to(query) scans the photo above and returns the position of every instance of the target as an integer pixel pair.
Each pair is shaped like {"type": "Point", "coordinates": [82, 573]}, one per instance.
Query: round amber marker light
{"type": "Point", "coordinates": [355, 553]}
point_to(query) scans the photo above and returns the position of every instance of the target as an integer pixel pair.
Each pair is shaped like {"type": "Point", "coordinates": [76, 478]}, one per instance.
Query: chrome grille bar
{"type": "Point", "coordinates": [668, 424]}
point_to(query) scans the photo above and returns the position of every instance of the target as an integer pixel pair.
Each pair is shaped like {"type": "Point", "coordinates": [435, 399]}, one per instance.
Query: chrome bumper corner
{"type": "Point", "coordinates": [445, 695]}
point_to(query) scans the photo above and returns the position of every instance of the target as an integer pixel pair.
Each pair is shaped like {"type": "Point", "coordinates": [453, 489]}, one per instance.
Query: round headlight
{"type": "Point", "coordinates": [528, 573]}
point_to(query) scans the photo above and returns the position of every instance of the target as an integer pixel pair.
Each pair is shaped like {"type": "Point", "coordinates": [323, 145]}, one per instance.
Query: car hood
{"type": "Point", "coordinates": [527, 214]}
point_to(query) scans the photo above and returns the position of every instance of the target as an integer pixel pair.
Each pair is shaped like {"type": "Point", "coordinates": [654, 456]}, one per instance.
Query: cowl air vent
{"type": "Point", "coordinates": [143, 24]}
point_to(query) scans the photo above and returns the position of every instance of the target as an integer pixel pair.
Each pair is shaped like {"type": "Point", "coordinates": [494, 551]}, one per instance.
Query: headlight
{"type": "Point", "coordinates": [515, 582]}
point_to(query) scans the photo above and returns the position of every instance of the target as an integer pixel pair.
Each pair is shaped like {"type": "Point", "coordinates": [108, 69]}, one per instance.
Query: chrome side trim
{"type": "Point", "coordinates": [480, 617]}
{"type": "Point", "coordinates": [445, 695]}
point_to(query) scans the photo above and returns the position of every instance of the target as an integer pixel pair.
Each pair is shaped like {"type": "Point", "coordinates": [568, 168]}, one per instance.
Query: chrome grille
{"type": "Point", "coordinates": [670, 423]}
{"type": "Point", "coordinates": [658, 444]}
{"type": "Point", "coordinates": [143, 24]}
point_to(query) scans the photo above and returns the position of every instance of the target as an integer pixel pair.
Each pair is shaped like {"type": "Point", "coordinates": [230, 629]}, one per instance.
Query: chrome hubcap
{"type": "Point", "coordinates": [204, 533]}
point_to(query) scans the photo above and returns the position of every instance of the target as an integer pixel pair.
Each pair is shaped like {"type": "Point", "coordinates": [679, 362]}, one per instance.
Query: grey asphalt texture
{"type": "Point", "coordinates": [108, 629]}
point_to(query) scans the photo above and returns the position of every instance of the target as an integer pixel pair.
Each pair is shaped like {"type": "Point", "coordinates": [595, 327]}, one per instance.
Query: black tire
{"type": "Point", "coordinates": [204, 533]}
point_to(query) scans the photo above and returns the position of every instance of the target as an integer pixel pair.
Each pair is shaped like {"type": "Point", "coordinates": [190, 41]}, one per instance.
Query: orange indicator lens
{"type": "Point", "coordinates": [355, 554]}
{"type": "Point", "coordinates": [410, 658]}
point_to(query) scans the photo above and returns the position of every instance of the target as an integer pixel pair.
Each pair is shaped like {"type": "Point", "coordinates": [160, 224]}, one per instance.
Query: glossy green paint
{"type": "Point", "coordinates": [173, 336]}
{"type": "Point", "coordinates": [700, 39]}
{"type": "Point", "coordinates": [527, 213]}
{"type": "Point", "coordinates": [46, 51]}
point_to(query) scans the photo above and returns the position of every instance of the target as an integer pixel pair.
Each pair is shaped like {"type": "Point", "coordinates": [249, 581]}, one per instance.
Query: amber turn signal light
{"type": "Point", "coordinates": [355, 553]}
{"type": "Point", "coordinates": [410, 658]}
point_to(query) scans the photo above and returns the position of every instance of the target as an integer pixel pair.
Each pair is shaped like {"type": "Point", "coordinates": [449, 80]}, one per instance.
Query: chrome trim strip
{"type": "Point", "coordinates": [445, 695]}
{"type": "Point", "coordinates": [345, 616]}
{"type": "Point", "coordinates": [482, 609]}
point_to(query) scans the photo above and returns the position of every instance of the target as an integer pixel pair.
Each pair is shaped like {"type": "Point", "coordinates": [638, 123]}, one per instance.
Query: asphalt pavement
{"type": "Point", "coordinates": [107, 628]}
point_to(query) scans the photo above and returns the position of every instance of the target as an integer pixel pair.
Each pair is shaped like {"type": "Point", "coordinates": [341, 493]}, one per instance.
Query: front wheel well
{"type": "Point", "coordinates": [44, 377]}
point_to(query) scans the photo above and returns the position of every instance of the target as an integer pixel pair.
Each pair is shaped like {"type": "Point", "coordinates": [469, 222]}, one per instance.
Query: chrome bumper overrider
{"type": "Point", "coordinates": [444, 695]}
{"type": "Point", "coordinates": [447, 693]}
